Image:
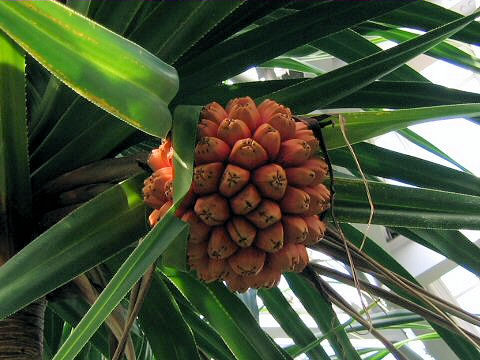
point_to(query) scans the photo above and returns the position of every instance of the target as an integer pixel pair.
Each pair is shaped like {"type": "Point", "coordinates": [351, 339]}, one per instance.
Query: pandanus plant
{"type": "Point", "coordinates": [238, 192]}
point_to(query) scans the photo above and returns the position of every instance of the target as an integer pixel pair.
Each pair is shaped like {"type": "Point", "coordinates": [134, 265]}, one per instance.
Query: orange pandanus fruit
{"type": "Point", "coordinates": [256, 193]}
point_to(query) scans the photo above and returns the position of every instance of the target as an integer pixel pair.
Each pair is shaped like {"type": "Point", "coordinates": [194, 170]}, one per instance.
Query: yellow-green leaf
{"type": "Point", "coordinates": [112, 72]}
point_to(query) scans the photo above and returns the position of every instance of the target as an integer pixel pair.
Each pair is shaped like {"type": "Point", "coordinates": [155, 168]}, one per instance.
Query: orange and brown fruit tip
{"type": "Point", "coordinates": [255, 197]}
{"type": "Point", "coordinates": [241, 231]}
{"type": "Point", "coordinates": [220, 245]}
{"type": "Point", "coordinates": [206, 178]}
{"type": "Point", "coordinates": [233, 179]}
{"type": "Point", "coordinates": [269, 138]}
{"type": "Point", "coordinates": [271, 181]}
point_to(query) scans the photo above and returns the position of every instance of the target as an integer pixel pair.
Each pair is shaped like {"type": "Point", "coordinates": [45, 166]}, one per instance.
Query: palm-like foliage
{"type": "Point", "coordinates": [76, 151]}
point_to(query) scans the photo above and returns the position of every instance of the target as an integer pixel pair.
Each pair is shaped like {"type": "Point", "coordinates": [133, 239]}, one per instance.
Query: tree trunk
{"type": "Point", "coordinates": [21, 334]}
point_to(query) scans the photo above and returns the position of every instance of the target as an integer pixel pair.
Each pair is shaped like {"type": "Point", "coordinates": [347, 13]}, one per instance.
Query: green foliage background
{"type": "Point", "coordinates": [70, 72]}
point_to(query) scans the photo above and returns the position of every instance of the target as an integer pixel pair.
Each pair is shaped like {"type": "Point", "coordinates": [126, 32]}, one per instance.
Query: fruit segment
{"type": "Point", "coordinates": [231, 130]}
{"type": "Point", "coordinates": [266, 214]}
{"type": "Point", "coordinates": [214, 112]}
{"type": "Point", "coordinates": [295, 229]}
{"type": "Point", "coordinates": [211, 149]}
{"type": "Point", "coordinates": [198, 229]}
{"type": "Point", "coordinates": [212, 209]}
{"type": "Point", "coordinates": [319, 199]}
{"type": "Point", "coordinates": [206, 178]}
{"type": "Point", "coordinates": [161, 157]}
{"type": "Point", "coordinates": [207, 128]}
{"type": "Point", "coordinates": [295, 201]}
{"type": "Point", "coordinates": [241, 231]}
{"type": "Point", "coordinates": [293, 152]}
{"type": "Point", "coordinates": [245, 110]}
{"type": "Point", "coordinates": [248, 154]}
{"type": "Point", "coordinates": [319, 167]}
{"type": "Point", "coordinates": [309, 138]}
{"type": "Point", "coordinates": [285, 259]}
{"type": "Point", "coordinates": [303, 258]}
{"type": "Point", "coordinates": [271, 181]}
{"type": "Point", "coordinates": [271, 238]}
{"type": "Point", "coordinates": [216, 268]}
{"type": "Point", "coordinates": [234, 178]}
{"type": "Point", "coordinates": [300, 176]}
{"type": "Point", "coordinates": [316, 229]}
{"type": "Point", "coordinates": [248, 261]}
{"type": "Point", "coordinates": [220, 246]}
{"type": "Point", "coordinates": [269, 108]}
{"type": "Point", "coordinates": [269, 137]}
{"type": "Point", "coordinates": [246, 201]}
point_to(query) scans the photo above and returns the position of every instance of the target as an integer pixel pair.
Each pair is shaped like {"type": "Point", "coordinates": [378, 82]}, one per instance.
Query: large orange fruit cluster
{"type": "Point", "coordinates": [256, 193]}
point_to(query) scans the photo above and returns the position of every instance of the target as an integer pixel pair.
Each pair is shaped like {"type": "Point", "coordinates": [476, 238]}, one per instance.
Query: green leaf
{"type": "Point", "coordinates": [88, 146]}
{"type": "Point", "coordinates": [33, 95]}
{"type": "Point", "coordinates": [290, 321]}
{"type": "Point", "coordinates": [425, 144]}
{"type": "Point", "coordinates": [117, 16]}
{"type": "Point", "coordinates": [176, 254]}
{"type": "Point", "coordinates": [389, 196]}
{"type": "Point", "coordinates": [15, 190]}
{"type": "Point", "coordinates": [222, 93]}
{"type": "Point", "coordinates": [388, 321]}
{"type": "Point", "coordinates": [184, 140]}
{"type": "Point", "coordinates": [145, 11]}
{"type": "Point", "coordinates": [184, 137]}
{"type": "Point", "coordinates": [424, 15]}
{"type": "Point", "coordinates": [265, 345]}
{"type": "Point", "coordinates": [451, 244]}
{"type": "Point", "coordinates": [63, 113]}
{"type": "Point", "coordinates": [256, 46]}
{"type": "Point", "coordinates": [404, 95]}
{"type": "Point", "coordinates": [360, 126]}
{"type": "Point", "coordinates": [229, 316]}
{"type": "Point", "coordinates": [133, 85]}
{"type": "Point", "coordinates": [56, 98]}
{"type": "Point", "coordinates": [408, 169]}
{"type": "Point", "coordinates": [182, 25]}
{"type": "Point", "coordinates": [395, 320]}
{"type": "Point", "coordinates": [292, 64]}
{"type": "Point", "coordinates": [205, 335]}
{"type": "Point", "coordinates": [322, 312]}
{"type": "Point", "coordinates": [71, 310]}
{"type": "Point", "coordinates": [148, 250]}
{"type": "Point", "coordinates": [325, 89]}
{"type": "Point", "coordinates": [244, 15]}
{"type": "Point", "coordinates": [52, 333]}
{"type": "Point", "coordinates": [457, 343]}
{"type": "Point", "coordinates": [405, 206]}
{"type": "Point", "coordinates": [399, 344]}
{"type": "Point", "coordinates": [379, 94]}
{"type": "Point", "coordinates": [79, 116]}
{"type": "Point", "coordinates": [83, 239]}
{"type": "Point", "coordinates": [160, 315]}
{"type": "Point", "coordinates": [336, 44]}
{"type": "Point", "coordinates": [443, 51]}
{"type": "Point", "coordinates": [80, 6]}
{"type": "Point", "coordinates": [350, 46]}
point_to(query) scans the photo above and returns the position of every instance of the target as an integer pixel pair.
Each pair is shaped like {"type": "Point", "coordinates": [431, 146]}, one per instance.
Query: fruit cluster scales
{"type": "Point", "coordinates": [256, 193]}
